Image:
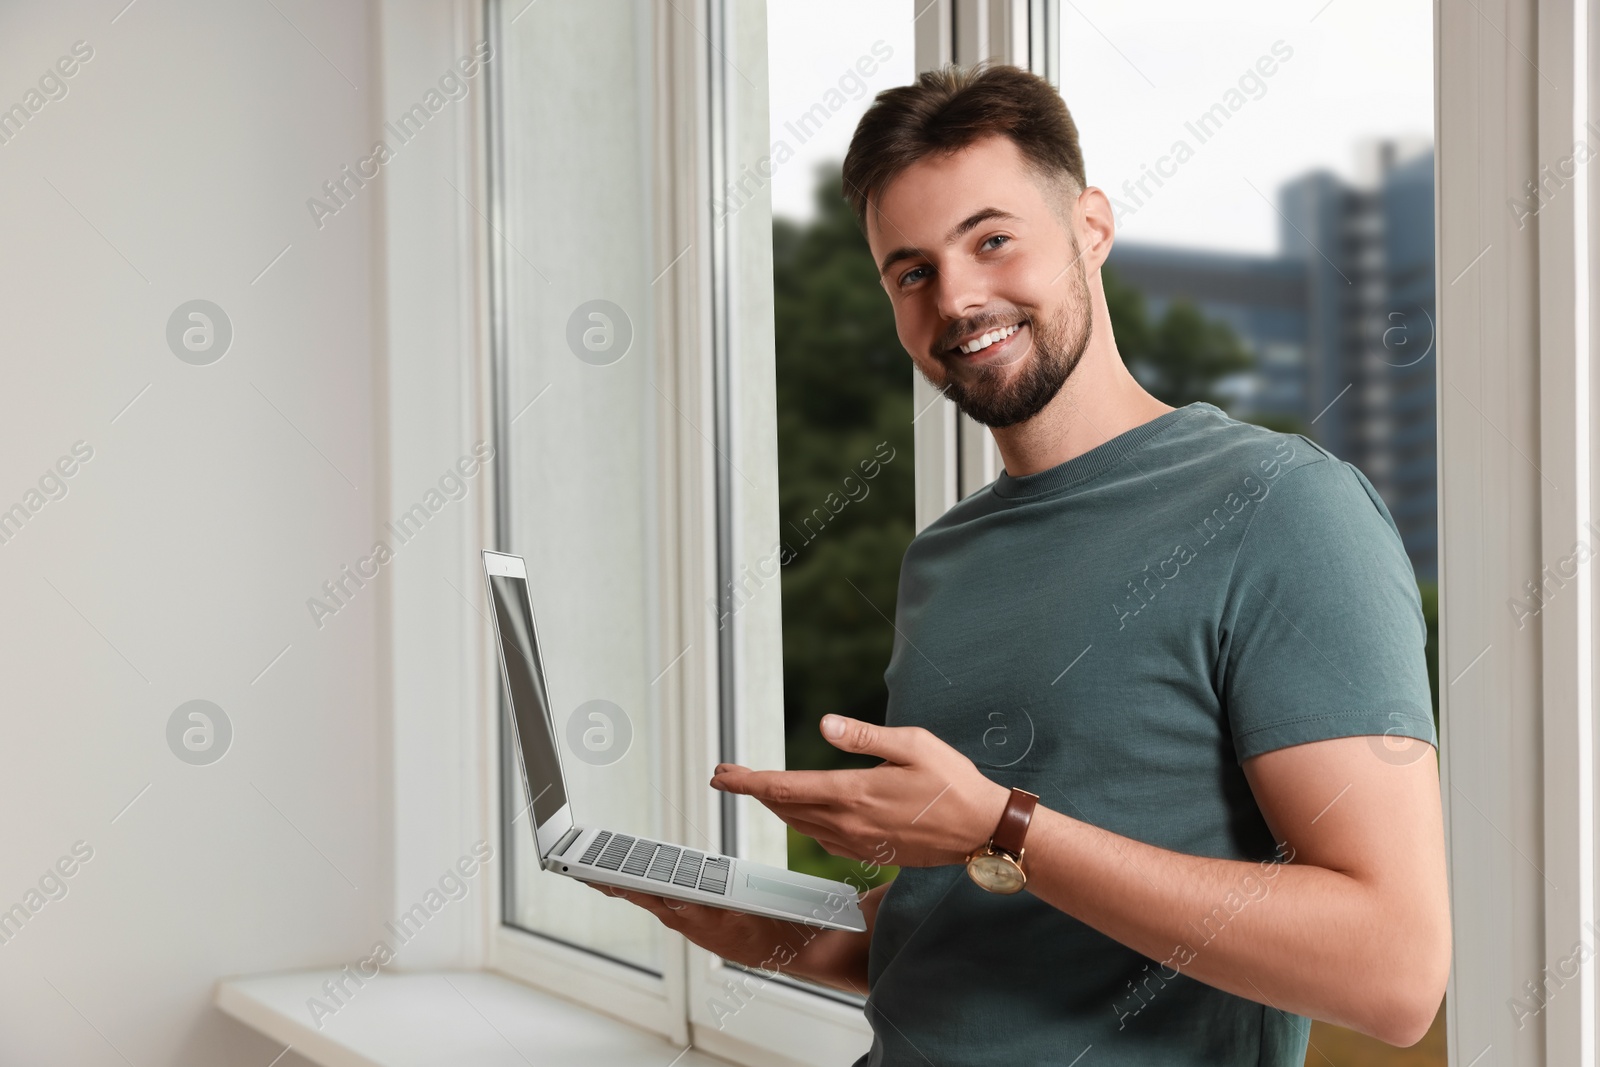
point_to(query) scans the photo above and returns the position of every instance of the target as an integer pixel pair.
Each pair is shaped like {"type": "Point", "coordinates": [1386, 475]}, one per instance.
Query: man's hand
{"type": "Point", "coordinates": [733, 935]}
{"type": "Point", "coordinates": [834, 958]}
{"type": "Point", "coordinates": [926, 805]}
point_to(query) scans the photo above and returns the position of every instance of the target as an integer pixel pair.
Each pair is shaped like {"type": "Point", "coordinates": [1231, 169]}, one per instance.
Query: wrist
{"type": "Point", "coordinates": [986, 819]}
{"type": "Point", "coordinates": [997, 866]}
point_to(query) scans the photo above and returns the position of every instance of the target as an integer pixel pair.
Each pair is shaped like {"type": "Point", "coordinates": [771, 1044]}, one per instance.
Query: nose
{"type": "Point", "coordinates": [961, 291]}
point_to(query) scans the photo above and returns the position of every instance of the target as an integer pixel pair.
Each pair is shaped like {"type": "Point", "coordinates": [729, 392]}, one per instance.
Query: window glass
{"type": "Point", "coordinates": [576, 102]}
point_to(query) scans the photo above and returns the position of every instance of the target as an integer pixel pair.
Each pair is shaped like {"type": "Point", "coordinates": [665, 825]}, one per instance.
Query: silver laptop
{"type": "Point", "coordinates": [569, 847]}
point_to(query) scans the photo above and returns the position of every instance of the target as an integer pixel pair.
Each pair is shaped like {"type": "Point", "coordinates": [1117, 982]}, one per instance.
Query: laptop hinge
{"type": "Point", "coordinates": [566, 841]}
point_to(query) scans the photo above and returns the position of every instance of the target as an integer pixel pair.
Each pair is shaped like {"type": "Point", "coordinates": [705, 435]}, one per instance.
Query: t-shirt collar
{"type": "Point", "coordinates": [1095, 462]}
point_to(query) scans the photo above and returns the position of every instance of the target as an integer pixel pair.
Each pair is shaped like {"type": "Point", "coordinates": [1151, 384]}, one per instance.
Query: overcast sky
{"type": "Point", "coordinates": [1133, 75]}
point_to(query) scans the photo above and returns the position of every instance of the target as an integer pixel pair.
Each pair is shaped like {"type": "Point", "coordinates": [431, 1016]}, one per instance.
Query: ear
{"type": "Point", "coordinates": [1097, 227]}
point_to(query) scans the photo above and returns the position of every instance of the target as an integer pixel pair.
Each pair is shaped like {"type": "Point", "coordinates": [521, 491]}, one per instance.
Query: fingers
{"type": "Point", "coordinates": [787, 787]}
{"type": "Point", "coordinates": [616, 891]}
{"type": "Point", "coordinates": [644, 900]}
{"type": "Point", "coordinates": [656, 905]}
{"type": "Point", "coordinates": [898, 744]}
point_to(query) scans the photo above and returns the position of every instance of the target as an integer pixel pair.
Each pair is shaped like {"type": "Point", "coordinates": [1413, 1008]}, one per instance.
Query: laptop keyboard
{"type": "Point", "coordinates": [595, 846]}
{"type": "Point", "coordinates": [663, 863]}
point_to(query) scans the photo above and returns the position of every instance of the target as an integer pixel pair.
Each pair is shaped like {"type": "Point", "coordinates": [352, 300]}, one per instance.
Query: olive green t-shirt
{"type": "Point", "coordinates": [1116, 634]}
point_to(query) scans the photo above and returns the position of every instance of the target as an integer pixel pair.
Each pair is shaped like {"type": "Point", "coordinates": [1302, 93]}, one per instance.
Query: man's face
{"type": "Point", "coordinates": [969, 245]}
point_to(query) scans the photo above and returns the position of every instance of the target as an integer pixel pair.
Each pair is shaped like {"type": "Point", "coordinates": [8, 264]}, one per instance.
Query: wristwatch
{"type": "Point", "coordinates": [997, 866]}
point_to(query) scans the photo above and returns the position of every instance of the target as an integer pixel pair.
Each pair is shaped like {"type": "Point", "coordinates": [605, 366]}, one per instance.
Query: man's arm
{"type": "Point", "coordinates": [834, 958]}
{"type": "Point", "coordinates": [1354, 931]}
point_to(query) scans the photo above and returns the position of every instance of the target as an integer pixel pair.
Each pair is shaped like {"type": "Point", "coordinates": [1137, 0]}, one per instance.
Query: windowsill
{"type": "Point", "coordinates": [460, 1018]}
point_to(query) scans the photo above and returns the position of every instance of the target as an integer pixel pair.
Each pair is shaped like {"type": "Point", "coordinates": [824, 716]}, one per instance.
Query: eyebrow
{"type": "Point", "coordinates": [973, 220]}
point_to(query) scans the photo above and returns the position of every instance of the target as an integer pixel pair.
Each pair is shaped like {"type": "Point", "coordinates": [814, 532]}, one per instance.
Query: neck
{"type": "Point", "coordinates": [1099, 401]}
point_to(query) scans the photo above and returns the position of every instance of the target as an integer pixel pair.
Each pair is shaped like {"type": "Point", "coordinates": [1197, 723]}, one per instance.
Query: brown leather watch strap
{"type": "Point", "coordinates": [1014, 821]}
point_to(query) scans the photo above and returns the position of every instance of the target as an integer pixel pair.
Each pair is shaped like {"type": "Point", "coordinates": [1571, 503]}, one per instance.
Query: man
{"type": "Point", "coordinates": [1201, 641]}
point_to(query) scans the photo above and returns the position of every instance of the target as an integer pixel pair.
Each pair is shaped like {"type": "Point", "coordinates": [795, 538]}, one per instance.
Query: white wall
{"type": "Point", "coordinates": [180, 561]}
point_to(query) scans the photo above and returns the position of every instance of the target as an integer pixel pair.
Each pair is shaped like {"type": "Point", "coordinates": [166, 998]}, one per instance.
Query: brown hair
{"type": "Point", "coordinates": [948, 109]}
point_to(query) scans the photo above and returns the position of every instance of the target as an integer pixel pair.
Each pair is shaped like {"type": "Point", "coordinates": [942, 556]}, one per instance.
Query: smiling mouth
{"type": "Point", "coordinates": [987, 343]}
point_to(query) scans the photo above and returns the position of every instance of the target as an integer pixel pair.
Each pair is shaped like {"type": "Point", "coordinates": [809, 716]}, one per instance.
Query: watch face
{"type": "Point", "coordinates": [996, 873]}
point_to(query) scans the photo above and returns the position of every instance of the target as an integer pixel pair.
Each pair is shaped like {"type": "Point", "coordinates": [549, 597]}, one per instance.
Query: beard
{"type": "Point", "coordinates": [1058, 344]}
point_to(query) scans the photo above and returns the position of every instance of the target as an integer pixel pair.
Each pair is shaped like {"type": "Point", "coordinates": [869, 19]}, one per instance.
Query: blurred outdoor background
{"type": "Point", "coordinates": [1283, 270]}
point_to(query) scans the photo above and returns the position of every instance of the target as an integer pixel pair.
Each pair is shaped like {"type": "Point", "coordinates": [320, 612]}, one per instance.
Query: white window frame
{"type": "Point", "coordinates": [956, 456]}
{"type": "Point", "coordinates": [1515, 384]}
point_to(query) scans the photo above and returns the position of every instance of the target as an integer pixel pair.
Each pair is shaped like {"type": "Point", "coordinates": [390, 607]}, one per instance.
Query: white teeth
{"type": "Point", "coordinates": [980, 343]}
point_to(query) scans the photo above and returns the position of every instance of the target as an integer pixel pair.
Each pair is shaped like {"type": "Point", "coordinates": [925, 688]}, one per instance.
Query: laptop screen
{"type": "Point", "coordinates": [530, 703]}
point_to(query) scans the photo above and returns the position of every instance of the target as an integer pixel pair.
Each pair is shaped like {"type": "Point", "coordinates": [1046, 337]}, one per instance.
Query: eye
{"type": "Point", "coordinates": [909, 276]}
{"type": "Point", "coordinates": [995, 237]}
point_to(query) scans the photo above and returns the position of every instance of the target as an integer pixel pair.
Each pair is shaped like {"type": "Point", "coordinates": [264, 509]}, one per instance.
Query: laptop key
{"type": "Point", "coordinates": [612, 857]}
{"type": "Point", "coordinates": [639, 858]}
{"type": "Point", "coordinates": [714, 877]}
{"type": "Point", "coordinates": [594, 848]}
{"type": "Point", "coordinates": [662, 866]}
{"type": "Point", "coordinates": [688, 873]}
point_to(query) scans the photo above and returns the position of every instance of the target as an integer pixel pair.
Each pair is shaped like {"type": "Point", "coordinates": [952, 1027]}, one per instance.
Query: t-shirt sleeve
{"type": "Point", "coordinates": [1322, 633]}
